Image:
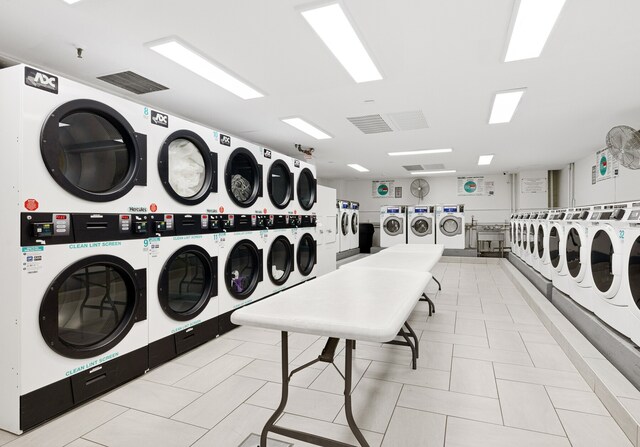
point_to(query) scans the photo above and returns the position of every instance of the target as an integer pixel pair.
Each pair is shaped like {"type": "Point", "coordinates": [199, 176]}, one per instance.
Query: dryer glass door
{"type": "Point", "coordinates": [574, 245]}
{"type": "Point", "coordinates": [354, 223]}
{"type": "Point", "coordinates": [279, 184]}
{"type": "Point", "coordinates": [243, 270]}
{"type": "Point", "coordinates": [187, 281]}
{"type": "Point", "coordinates": [243, 177]}
{"type": "Point", "coordinates": [525, 237]}
{"type": "Point", "coordinates": [90, 306]}
{"type": "Point", "coordinates": [392, 226]}
{"type": "Point", "coordinates": [280, 260]}
{"type": "Point", "coordinates": [450, 226]}
{"type": "Point", "coordinates": [345, 224]}
{"type": "Point", "coordinates": [421, 226]}
{"type": "Point", "coordinates": [540, 241]}
{"type": "Point", "coordinates": [554, 247]}
{"type": "Point", "coordinates": [518, 236]}
{"type": "Point", "coordinates": [306, 256]}
{"type": "Point", "coordinates": [602, 261]}
{"type": "Point", "coordinates": [634, 271]}
{"type": "Point", "coordinates": [532, 238]}
{"type": "Point", "coordinates": [306, 189]}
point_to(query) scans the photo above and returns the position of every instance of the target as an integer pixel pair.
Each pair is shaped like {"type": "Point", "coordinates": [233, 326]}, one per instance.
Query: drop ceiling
{"type": "Point", "coordinates": [443, 59]}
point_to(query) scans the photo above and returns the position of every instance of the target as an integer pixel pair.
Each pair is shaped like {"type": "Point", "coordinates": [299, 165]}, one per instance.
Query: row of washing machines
{"type": "Point", "coordinates": [423, 224]}
{"type": "Point", "coordinates": [591, 254]}
{"type": "Point", "coordinates": [348, 222]}
{"type": "Point", "coordinates": [129, 238]}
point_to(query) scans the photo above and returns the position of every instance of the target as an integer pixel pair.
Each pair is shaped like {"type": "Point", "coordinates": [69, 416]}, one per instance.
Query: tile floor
{"type": "Point", "coordinates": [489, 375]}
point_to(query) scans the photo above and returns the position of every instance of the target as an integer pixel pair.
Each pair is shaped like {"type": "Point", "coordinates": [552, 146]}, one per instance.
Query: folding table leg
{"type": "Point", "coordinates": [285, 391]}
{"type": "Point", "coordinates": [415, 337]}
{"type": "Point", "coordinates": [439, 285]}
{"type": "Point", "coordinates": [348, 367]}
{"type": "Point", "coordinates": [432, 307]}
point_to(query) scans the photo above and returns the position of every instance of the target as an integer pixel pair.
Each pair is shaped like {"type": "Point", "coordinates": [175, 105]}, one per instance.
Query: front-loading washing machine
{"type": "Point", "coordinates": [541, 261]}
{"type": "Point", "coordinates": [530, 238]}
{"type": "Point", "coordinates": [306, 249]}
{"type": "Point", "coordinates": [421, 222]}
{"type": "Point", "coordinates": [75, 325]}
{"type": "Point", "coordinates": [280, 182]}
{"type": "Point", "coordinates": [279, 250]}
{"type": "Point", "coordinates": [183, 283]}
{"type": "Point", "coordinates": [557, 241]}
{"type": "Point", "coordinates": [451, 226]}
{"type": "Point", "coordinates": [186, 174]}
{"type": "Point", "coordinates": [306, 187]}
{"type": "Point", "coordinates": [344, 214]}
{"type": "Point", "coordinates": [517, 249]}
{"type": "Point", "coordinates": [242, 177]}
{"type": "Point", "coordinates": [354, 222]}
{"type": "Point", "coordinates": [629, 284]}
{"type": "Point", "coordinates": [577, 257]}
{"type": "Point", "coordinates": [77, 149]}
{"type": "Point", "coordinates": [241, 264]}
{"type": "Point", "coordinates": [393, 225]}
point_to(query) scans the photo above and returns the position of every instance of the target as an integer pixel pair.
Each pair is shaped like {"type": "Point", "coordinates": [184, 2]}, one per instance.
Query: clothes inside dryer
{"type": "Point", "coordinates": [280, 260]}
{"type": "Point", "coordinates": [187, 170]}
{"type": "Point", "coordinates": [243, 177]}
{"type": "Point", "coordinates": [573, 252]}
{"type": "Point", "coordinates": [242, 270]}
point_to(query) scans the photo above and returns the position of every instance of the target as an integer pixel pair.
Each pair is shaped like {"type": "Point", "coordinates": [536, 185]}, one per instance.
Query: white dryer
{"type": "Point", "coordinates": [76, 325]}
{"type": "Point", "coordinates": [421, 223]}
{"type": "Point", "coordinates": [577, 257]}
{"type": "Point", "coordinates": [183, 284]}
{"type": "Point", "coordinates": [541, 262]}
{"type": "Point", "coordinates": [344, 216]}
{"type": "Point", "coordinates": [450, 223]}
{"type": "Point", "coordinates": [354, 222]}
{"type": "Point", "coordinates": [393, 225]}
{"type": "Point", "coordinates": [279, 182]}
{"type": "Point", "coordinates": [306, 249]}
{"type": "Point", "coordinates": [629, 287]}
{"type": "Point", "coordinates": [557, 241]}
{"type": "Point", "coordinates": [77, 149]}
{"type": "Point", "coordinates": [241, 265]}
{"type": "Point", "coordinates": [518, 230]}
{"type": "Point", "coordinates": [527, 237]}
{"type": "Point", "coordinates": [185, 176]}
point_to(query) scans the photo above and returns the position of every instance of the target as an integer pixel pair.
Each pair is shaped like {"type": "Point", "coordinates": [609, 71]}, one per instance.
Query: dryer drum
{"type": "Point", "coordinates": [573, 252]}
{"type": "Point", "coordinates": [525, 239]}
{"type": "Point", "coordinates": [243, 177]}
{"type": "Point", "coordinates": [243, 269]}
{"type": "Point", "coordinates": [306, 189]}
{"type": "Point", "coordinates": [187, 282]}
{"type": "Point", "coordinates": [554, 247]}
{"type": "Point", "coordinates": [280, 260]}
{"type": "Point", "coordinates": [306, 256]}
{"type": "Point", "coordinates": [392, 226]}
{"type": "Point", "coordinates": [420, 227]}
{"type": "Point", "coordinates": [354, 224]}
{"type": "Point", "coordinates": [92, 152]}
{"type": "Point", "coordinates": [187, 168]}
{"type": "Point", "coordinates": [280, 184]}
{"type": "Point", "coordinates": [540, 241]}
{"type": "Point", "coordinates": [345, 224]}
{"type": "Point", "coordinates": [602, 261]}
{"type": "Point", "coordinates": [91, 306]}
{"type": "Point", "coordinates": [532, 237]}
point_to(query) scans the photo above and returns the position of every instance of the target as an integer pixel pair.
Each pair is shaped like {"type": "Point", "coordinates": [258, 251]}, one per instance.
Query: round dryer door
{"type": "Point", "coordinates": [554, 247]}
{"type": "Point", "coordinates": [306, 189]}
{"type": "Point", "coordinates": [344, 224]}
{"type": "Point", "coordinates": [540, 242]}
{"type": "Point", "coordinates": [354, 223]}
{"type": "Point", "coordinates": [450, 226]}
{"type": "Point", "coordinates": [572, 250]}
{"type": "Point", "coordinates": [525, 237]}
{"type": "Point", "coordinates": [606, 262]}
{"type": "Point", "coordinates": [532, 238]}
{"type": "Point", "coordinates": [518, 236]}
{"type": "Point", "coordinates": [280, 260]}
{"type": "Point", "coordinates": [188, 280]}
{"type": "Point", "coordinates": [243, 177]}
{"type": "Point", "coordinates": [392, 226]}
{"type": "Point", "coordinates": [421, 226]}
{"type": "Point", "coordinates": [188, 170]}
{"type": "Point", "coordinates": [280, 184]}
{"type": "Point", "coordinates": [92, 152]}
{"type": "Point", "coordinates": [91, 306]}
{"type": "Point", "coordinates": [243, 270]}
{"type": "Point", "coordinates": [634, 271]}
{"type": "Point", "coordinates": [306, 255]}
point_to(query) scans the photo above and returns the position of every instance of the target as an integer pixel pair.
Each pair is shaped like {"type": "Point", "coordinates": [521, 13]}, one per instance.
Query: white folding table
{"type": "Point", "coordinates": [354, 304]}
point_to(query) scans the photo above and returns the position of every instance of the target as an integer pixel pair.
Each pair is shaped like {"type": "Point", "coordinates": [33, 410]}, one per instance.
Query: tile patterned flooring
{"type": "Point", "coordinates": [489, 375]}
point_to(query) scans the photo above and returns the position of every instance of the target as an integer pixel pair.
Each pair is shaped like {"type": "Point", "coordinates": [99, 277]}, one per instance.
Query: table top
{"type": "Point", "coordinates": [354, 304]}
{"type": "Point", "coordinates": [416, 248]}
{"type": "Point", "coordinates": [410, 261]}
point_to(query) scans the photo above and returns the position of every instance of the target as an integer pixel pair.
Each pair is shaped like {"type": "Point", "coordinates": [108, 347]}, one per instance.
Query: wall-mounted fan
{"type": "Point", "coordinates": [420, 188]}
{"type": "Point", "coordinates": [624, 144]}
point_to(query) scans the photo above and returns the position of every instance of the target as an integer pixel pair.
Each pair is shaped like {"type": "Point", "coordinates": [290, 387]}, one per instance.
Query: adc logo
{"type": "Point", "coordinates": [225, 140]}
{"type": "Point", "coordinates": [266, 152]}
{"type": "Point", "coordinates": [296, 163]}
{"type": "Point", "coordinates": [40, 80]}
{"type": "Point", "coordinates": [159, 119]}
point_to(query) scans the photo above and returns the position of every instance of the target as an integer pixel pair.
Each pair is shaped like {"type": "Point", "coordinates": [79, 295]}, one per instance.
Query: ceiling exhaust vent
{"type": "Point", "coordinates": [411, 120]}
{"type": "Point", "coordinates": [411, 168]}
{"type": "Point", "coordinates": [369, 124]}
{"type": "Point", "coordinates": [434, 167]}
{"type": "Point", "coordinates": [133, 82]}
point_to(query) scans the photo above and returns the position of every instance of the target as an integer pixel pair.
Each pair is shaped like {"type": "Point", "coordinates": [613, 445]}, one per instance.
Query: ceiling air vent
{"type": "Point", "coordinates": [434, 167]}
{"type": "Point", "coordinates": [411, 168]}
{"type": "Point", "coordinates": [411, 120]}
{"type": "Point", "coordinates": [133, 82]}
{"type": "Point", "coordinates": [369, 124]}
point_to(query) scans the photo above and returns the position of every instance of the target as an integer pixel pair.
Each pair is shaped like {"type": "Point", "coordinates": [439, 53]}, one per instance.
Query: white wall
{"type": "Point", "coordinates": [563, 188]}
{"type": "Point", "coordinates": [485, 209]}
{"type": "Point", "coordinates": [531, 201]}
{"type": "Point", "coordinates": [625, 187]}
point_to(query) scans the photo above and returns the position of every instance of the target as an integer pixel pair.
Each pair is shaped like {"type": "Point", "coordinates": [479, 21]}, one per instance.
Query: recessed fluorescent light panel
{"type": "Point", "coordinates": [358, 168]}
{"type": "Point", "coordinates": [534, 21]}
{"type": "Point", "coordinates": [450, 171]}
{"type": "Point", "coordinates": [333, 27]}
{"type": "Point", "coordinates": [485, 160]}
{"type": "Point", "coordinates": [71, 2]}
{"type": "Point", "coordinates": [307, 128]}
{"type": "Point", "coordinates": [504, 106]}
{"type": "Point", "coordinates": [421, 152]}
{"type": "Point", "coordinates": [190, 60]}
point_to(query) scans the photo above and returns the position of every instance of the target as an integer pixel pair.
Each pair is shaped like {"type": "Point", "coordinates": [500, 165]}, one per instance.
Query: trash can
{"type": "Point", "coordinates": [365, 237]}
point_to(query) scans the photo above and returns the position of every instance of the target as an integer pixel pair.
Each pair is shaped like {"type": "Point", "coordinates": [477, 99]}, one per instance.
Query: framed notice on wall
{"type": "Point", "coordinates": [473, 186]}
{"type": "Point", "coordinates": [381, 189]}
{"type": "Point", "coordinates": [533, 185]}
{"type": "Point", "coordinates": [606, 166]}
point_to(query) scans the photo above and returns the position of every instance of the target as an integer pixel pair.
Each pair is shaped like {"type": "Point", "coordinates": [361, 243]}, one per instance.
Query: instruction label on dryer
{"type": "Point", "coordinates": [153, 246]}
{"type": "Point", "coordinates": [32, 259]}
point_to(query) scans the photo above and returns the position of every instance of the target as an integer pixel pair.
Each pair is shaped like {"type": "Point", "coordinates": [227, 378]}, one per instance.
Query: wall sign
{"type": "Point", "coordinates": [382, 189]}
{"type": "Point", "coordinates": [533, 185]}
{"type": "Point", "coordinates": [473, 186]}
{"type": "Point", "coordinates": [606, 166]}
